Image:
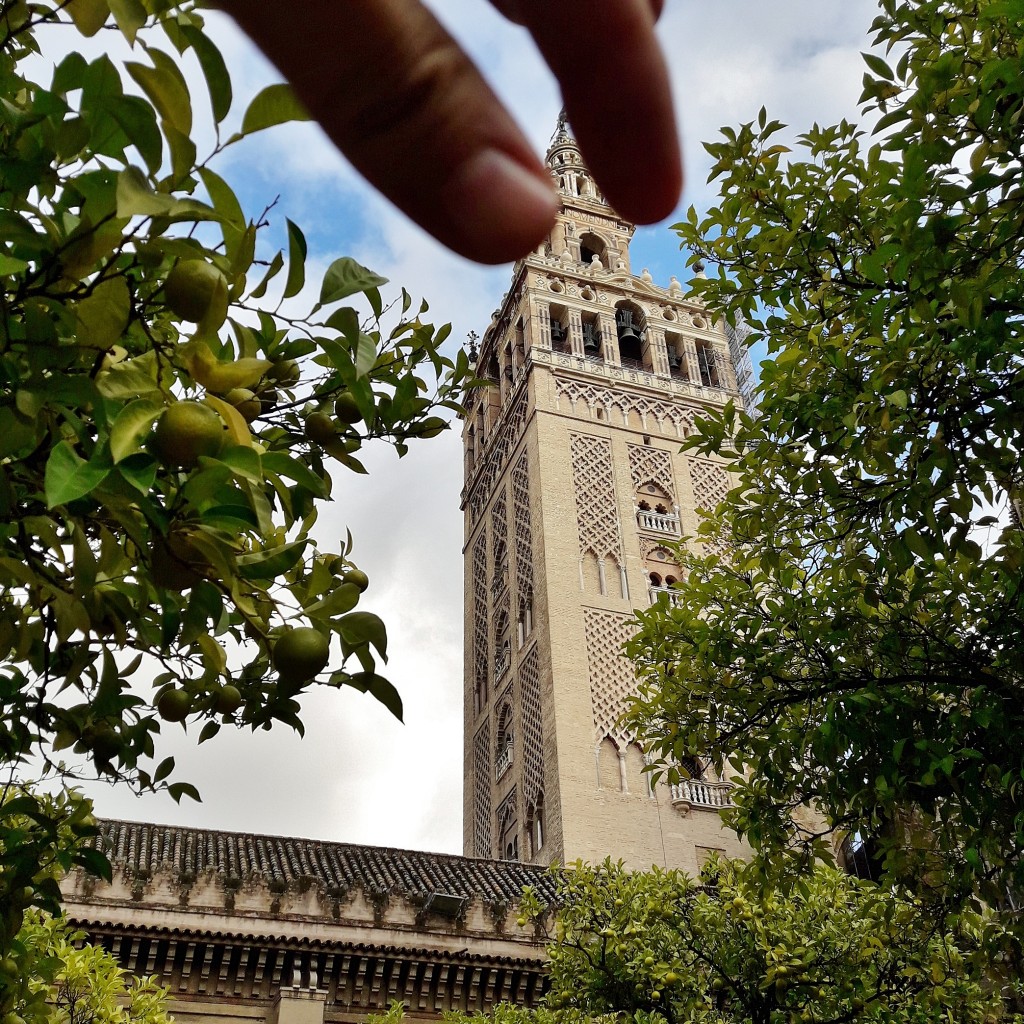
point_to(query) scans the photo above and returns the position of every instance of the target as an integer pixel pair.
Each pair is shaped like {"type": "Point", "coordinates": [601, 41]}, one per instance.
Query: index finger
{"type": "Point", "coordinates": [617, 94]}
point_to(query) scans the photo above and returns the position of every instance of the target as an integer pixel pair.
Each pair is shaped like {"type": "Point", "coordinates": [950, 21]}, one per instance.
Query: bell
{"type": "Point", "coordinates": [591, 345]}
{"type": "Point", "coordinates": [558, 333]}
{"type": "Point", "coordinates": [624, 327]}
{"type": "Point", "coordinates": [673, 359]}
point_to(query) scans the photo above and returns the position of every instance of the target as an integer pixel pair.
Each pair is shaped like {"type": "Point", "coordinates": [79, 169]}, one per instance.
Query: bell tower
{"type": "Point", "coordinates": [574, 489]}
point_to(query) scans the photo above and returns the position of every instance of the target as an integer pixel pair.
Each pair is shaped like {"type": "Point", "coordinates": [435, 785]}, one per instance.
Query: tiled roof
{"type": "Point", "coordinates": [142, 848]}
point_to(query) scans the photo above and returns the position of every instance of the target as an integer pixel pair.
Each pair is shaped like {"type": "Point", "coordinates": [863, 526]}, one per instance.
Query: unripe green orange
{"type": "Point", "coordinates": [246, 402]}
{"type": "Point", "coordinates": [320, 428]}
{"type": "Point", "coordinates": [174, 705]}
{"type": "Point", "coordinates": [300, 654]}
{"type": "Point", "coordinates": [185, 431]}
{"type": "Point", "coordinates": [193, 287]}
{"type": "Point", "coordinates": [346, 408]}
{"type": "Point", "coordinates": [228, 699]}
{"type": "Point", "coordinates": [357, 578]}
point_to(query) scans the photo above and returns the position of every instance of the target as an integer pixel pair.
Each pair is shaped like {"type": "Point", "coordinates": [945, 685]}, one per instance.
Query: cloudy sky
{"type": "Point", "coordinates": [358, 775]}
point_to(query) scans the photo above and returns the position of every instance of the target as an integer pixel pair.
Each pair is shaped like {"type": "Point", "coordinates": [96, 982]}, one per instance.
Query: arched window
{"type": "Point", "coordinates": [559, 320]}
{"type": "Point", "coordinates": [504, 734]}
{"type": "Point", "coordinates": [629, 326]}
{"type": "Point", "coordinates": [537, 831]}
{"type": "Point", "coordinates": [508, 830]}
{"type": "Point", "coordinates": [608, 774]}
{"type": "Point", "coordinates": [525, 617]}
{"type": "Point", "coordinates": [590, 246]}
{"type": "Point", "coordinates": [676, 355]}
{"type": "Point", "coordinates": [655, 579]}
{"type": "Point", "coordinates": [592, 337]}
{"type": "Point", "coordinates": [707, 364]}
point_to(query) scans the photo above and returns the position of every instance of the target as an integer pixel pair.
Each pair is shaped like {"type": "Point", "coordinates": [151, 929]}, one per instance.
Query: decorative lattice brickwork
{"type": "Point", "coordinates": [533, 730]}
{"type": "Point", "coordinates": [596, 508]}
{"type": "Point", "coordinates": [499, 540]}
{"type": "Point", "coordinates": [498, 453]}
{"type": "Point", "coordinates": [480, 669]}
{"type": "Point", "coordinates": [667, 419]}
{"type": "Point", "coordinates": [523, 528]}
{"type": "Point", "coordinates": [611, 675]}
{"type": "Point", "coordinates": [651, 466]}
{"type": "Point", "coordinates": [482, 792]}
{"type": "Point", "coordinates": [711, 483]}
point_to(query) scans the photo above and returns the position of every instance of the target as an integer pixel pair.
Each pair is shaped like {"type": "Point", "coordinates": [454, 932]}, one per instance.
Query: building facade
{"type": "Point", "coordinates": [574, 491]}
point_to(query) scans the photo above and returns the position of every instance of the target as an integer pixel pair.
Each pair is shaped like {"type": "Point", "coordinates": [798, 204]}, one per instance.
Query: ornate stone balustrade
{"type": "Point", "coordinates": [689, 793]}
{"type": "Point", "coordinates": [503, 764]}
{"type": "Point", "coordinates": [670, 592]}
{"type": "Point", "coordinates": [658, 522]}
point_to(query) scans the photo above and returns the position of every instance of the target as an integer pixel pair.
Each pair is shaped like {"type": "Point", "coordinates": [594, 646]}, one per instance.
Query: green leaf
{"type": "Point", "coordinates": [89, 16]}
{"type": "Point", "coordinates": [296, 261]}
{"type": "Point", "coordinates": [294, 469]}
{"type": "Point", "coordinates": [132, 425]}
{"type": "Point", "coordinates": [104, 314]}
{"type": "Point", "coordinates": [166, 88]}
{"type": "Point", "coordinates": [379, 688]}
{"type": "Point", "coordinates": [10, 265]}
{"type": "Point", "coordinates": [363, 627]}
{"type": "Point", "coordinates": [225, 202]}
{"type": "Point", "coordinates": [339, 601]}
{"type": "Point", "coordinates": [345, 277]}
{"type": "Point", "coordinates": [69, 477]}
{"type": "Point", "coordinates": [268, 565]}
{"type": "Point", "coordinates": [130, 16]}
{"type": "Point", "coordinates": [215, 71]}
{"type": "Point", "coordinates": [366, 355]}
{"type": "Point", "coordinates": [276, 104]}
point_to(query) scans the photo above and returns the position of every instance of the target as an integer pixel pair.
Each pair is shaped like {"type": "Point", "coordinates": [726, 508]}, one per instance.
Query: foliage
{"type": "Point", "coordinates": [859, 647]}
{"type": "Point", "coordinates": [654, 946]}
{"type": "Point", "coordinates": [167, 409]}
{"type": "Point", "coordinates": [51, 977]}
{"type": "Point", "coordinates": [42, 837]}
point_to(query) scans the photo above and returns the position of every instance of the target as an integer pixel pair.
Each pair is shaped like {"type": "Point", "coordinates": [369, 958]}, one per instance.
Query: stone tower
{"type": "Point", "coordinates": [573, 485]}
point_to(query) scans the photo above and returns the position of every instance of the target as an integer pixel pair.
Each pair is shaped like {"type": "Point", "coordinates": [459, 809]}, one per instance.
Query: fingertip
{"type": "Point", "coordinates": [495, 208]}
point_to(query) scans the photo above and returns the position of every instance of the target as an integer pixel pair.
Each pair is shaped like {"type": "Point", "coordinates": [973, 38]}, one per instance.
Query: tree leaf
{"type": "Point", "coordinates": [269, 564]}
{"type": "Point", "coordinates": [89, 16]}
{"type": "Point", "coordinates": [346, 277]}
{"type": "Point", "coordinates": [215, 71]}
{"type": "Point", "coordinates": [296, 261]}
{"type": "Point", "coordinates": [69, 477]}
{"type": "Point", "coordinates": [130, 16]}
{"type": "Point", "coordinates": [363, 627]}
{"type": "Point", "coordinates": [104, 314]}
{"type": "Point", "coordinates": [381, 689]}
{"type": "Point", "coordinates": [276, 104]}
{"type": "Point", "coordinates": [132, 426]}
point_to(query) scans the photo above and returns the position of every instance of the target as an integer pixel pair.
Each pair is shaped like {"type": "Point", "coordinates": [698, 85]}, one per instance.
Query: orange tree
{"type": "Point", "coordinates": [168, 420]}
{"type": "Point", "coordinates": [860, 650]}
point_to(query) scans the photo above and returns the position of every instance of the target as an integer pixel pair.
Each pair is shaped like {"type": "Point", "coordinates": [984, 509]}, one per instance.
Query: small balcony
{"type": "Point", "coordinates": [503, 764]}
{"type": "Point", "coordinates": [500, 581]}
{"type": "Point", "coordinates": [658, 522]}
{"type": "Point", "coordinates": [689, 793]}
{"type": "Point", "coordinates": [670, 594]}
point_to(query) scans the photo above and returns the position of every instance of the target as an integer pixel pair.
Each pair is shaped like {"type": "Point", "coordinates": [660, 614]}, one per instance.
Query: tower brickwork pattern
{"type": "Point", "coordinates": [575, 496]}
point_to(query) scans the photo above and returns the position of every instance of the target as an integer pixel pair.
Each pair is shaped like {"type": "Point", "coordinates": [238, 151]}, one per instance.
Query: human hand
{"type": "Point", "coordinates": [412, 113]}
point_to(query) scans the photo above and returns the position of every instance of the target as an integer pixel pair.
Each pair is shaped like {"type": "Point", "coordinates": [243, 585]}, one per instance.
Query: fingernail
{"type": "Point", "coordinates": [500, 204]}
